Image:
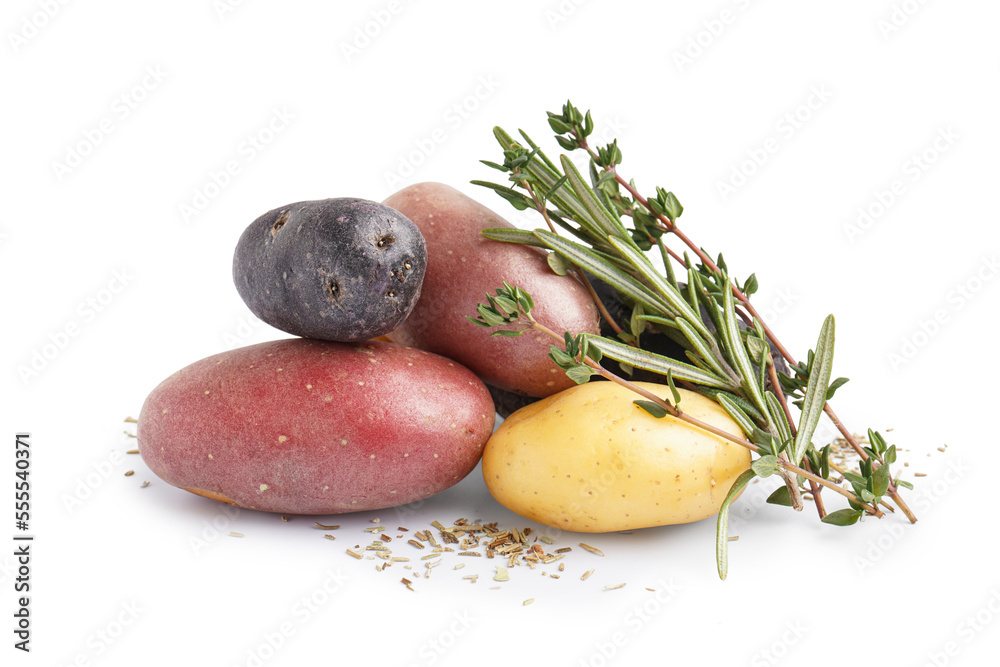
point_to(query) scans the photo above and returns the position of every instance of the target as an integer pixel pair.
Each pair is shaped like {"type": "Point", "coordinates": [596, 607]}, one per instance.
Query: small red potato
{"type": "Point", "coordinates": [462, 268]}
{"type": "Point", "coordinates": [305, 426]}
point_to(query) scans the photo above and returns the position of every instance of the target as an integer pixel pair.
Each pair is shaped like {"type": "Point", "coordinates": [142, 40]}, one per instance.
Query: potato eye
{"type": "Point", "coordinates": [385, 241]}
{"type": "Point", "coordinates": [333, 290]}
{"type": "Point", "coordinates": [279, 223]}
{"type": "Point", "coordinates": [391, 294]}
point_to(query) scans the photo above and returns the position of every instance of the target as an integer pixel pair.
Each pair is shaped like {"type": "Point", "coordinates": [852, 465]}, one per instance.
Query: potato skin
{"type": "Point", "coordinates": [589, 460]}
{"type": "Point", "coordinates": [340, 269]}
{"type": "Point", "coordinates": [462, 268]}
{"type": "Point", "coordinates": [315, 427]}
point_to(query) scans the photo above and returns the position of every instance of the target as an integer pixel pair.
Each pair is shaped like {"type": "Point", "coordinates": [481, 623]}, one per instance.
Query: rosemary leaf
{"type": "Point", "coordinates": [678, 305]}
{"type": "Point", "coordinates": [738, 352]}
{"type": "Point", "coordinates": [656, 363]}
{"type": "Point", "coordinates": [508, 235]}
{"type": "Point", "coordinates": [590, 261]}
{"type": "Point", "coordinates": [741, 402]}
{"type": "Point", "coordinates": [777, 415]}
{"type": "Point", "coordinates": [722, 526]}
{"type": "Point", "coordinates": [734, 411]}
{"type": "Point", "coordinates": [701, 347]}
{"type": "Point", "coordinates": [599, 215]}
{"type": "Point", "coordinates": [815, 396]}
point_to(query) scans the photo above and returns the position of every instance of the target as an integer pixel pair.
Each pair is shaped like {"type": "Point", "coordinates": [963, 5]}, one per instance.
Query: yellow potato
{"type": "Point", "coordinates": [588, 460]}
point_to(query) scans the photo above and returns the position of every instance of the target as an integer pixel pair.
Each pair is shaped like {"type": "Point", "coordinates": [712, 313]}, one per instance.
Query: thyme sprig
{"type": "Point", "coordinates": [608, 227]}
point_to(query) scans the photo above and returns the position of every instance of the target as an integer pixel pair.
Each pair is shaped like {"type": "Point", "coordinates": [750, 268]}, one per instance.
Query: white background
{"type": "Point", "coordinates": [843, 99]}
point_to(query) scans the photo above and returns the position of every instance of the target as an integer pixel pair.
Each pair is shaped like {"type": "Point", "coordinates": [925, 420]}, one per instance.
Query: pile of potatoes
{"type": "Point", "coordinates": [381, 399]}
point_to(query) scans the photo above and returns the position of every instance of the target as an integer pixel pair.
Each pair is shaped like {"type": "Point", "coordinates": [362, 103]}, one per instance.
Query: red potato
{"type": "Point", "coordinates": [462, 268]}
{"type": "Point", "coordinates": [316, 427]}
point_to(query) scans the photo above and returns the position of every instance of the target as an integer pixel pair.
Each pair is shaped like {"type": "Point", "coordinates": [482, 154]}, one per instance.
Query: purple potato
{"type": "Point", "coordinates": [340, 269]}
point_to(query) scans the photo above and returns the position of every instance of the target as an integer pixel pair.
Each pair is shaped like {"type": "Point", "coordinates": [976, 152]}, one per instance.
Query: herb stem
{"type": "Point", "coordinates": [794, 494]}
{"type": "Point", "coordinates": [780, 395]}
{"type": "Point", "coordinates": [597, 301]}
{"type": "Point", "coordinates": [776, 384]}
{"type": "Point", "coordinates": [815, 489]}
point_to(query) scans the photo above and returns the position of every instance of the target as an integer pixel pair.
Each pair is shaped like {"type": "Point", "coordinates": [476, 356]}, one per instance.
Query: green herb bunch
{"type": "Point", "coordinates": [603, 227]}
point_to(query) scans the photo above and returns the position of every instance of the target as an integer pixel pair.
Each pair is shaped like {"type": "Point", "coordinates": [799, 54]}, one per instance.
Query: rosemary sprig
{"type": "Point", "coordinates": [579, 356]}
{"type": "Point", "coordinates": [608, 228]}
